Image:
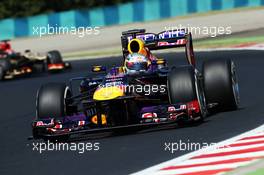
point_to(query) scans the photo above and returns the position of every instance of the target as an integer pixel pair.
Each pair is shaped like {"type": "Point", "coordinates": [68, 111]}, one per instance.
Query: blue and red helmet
{"type": "Point", "coordinates": [136, 62]}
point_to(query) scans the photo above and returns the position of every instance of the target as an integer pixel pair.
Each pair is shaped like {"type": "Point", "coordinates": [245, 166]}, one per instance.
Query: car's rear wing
{"type": "Point", "coordinates": [162, 40]}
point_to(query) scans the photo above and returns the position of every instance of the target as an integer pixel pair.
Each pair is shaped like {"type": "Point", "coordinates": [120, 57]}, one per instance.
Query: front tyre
{"type": "Point", "coordinates": [184, 86]}
{"type": "Point", "coordinates": [54, 57]}
{"type": "Point", "coordinates": [5, 66]}
{"type": "Point", "coordinates": [51, 101]}
{"type": "Point", "coordinates": [220, 83]}
{"type": "Point", "coordinates": [2, 73]}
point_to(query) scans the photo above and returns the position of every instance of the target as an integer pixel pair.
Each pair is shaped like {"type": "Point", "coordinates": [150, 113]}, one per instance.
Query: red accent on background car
{"type": "Point", "coordinates": [6, 47]}
{"type": "Point", "coordinates": [56, 66]}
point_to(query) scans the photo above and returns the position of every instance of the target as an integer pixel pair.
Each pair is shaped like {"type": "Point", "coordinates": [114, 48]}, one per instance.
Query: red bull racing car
{"type": "Point", "coordinates": [143, 91]}
{"type": "Point", "coordinates": [14, 64]}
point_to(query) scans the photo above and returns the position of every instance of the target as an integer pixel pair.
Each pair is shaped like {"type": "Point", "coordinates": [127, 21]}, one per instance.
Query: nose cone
{"type": "Point", "coordinates": [108, 93]}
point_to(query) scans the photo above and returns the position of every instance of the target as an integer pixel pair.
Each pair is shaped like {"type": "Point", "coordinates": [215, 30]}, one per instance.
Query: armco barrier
{"type": "Point", "coordinates": [137, 11]}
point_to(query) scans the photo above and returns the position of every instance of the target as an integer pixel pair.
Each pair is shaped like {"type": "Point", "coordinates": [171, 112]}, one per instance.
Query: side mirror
{"type": "Point", "coordinates": [98, 69]}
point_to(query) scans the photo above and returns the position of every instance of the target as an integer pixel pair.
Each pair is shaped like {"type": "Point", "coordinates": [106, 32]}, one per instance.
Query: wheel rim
{"type": "Point", "coordinates": [235, 86]}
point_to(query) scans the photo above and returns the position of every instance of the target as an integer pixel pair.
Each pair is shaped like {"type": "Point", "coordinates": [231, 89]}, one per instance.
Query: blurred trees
{"type": "Point", "coordinates": [22, 8]}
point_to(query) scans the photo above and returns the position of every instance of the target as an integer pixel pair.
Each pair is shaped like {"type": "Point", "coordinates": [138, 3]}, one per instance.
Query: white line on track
{"type": "Point", "coordinates": [236, 148]}
{"type": "Point", "coordinates": [223, 158]}
{"type": "Point", "coordinates": [187, 158]}
{"type": "Point", "coordinates": [201, 168]}
{"type": "Point", "coordinates": [164, 51]}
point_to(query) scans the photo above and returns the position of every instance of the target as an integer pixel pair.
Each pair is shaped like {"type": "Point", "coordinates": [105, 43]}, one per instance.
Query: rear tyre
{"type": "Point", "coordinates": [2, 73]}
{"type": "Point", "coordinates": [54, 57]}
{"type": "Point", "coordinates": [5, 64]}
{"type": "Point", "coordinates": [51, 101]}
{"type": "Point", "coordinates": [220, 83]}
{"type": "Point", "coordinates": [184, 87]}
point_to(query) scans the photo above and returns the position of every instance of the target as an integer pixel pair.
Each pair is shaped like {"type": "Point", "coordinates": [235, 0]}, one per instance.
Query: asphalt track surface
{"type": "Point", "coordinates": [127, 153]}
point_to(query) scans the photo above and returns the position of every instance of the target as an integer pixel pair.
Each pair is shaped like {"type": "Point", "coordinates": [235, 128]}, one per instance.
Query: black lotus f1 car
{"type": "Point", "coordinates": [144, 91]}
{"type": "Point", "coordinates": [14, 64]}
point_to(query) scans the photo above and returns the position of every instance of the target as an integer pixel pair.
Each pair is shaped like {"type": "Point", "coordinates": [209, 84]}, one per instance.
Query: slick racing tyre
{"type": "Point", "coordinates": [51, 101]}
{"type": "Point", "coordinates": [181, 85]}
{"type": "Point", "coordinates": [220, 83]}
{"type": "Point", "coordinates": [2, 73]}
{"type": "Point", "coordinates": [5, 65]}
{"type": "Point", "coordinates": [184, 86]}
{"type": "Point", "coordinates": [54, 57]}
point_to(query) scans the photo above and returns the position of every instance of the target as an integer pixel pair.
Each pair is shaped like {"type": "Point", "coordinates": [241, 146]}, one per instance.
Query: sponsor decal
{"type": "Point", "coordinates": [149, 115]}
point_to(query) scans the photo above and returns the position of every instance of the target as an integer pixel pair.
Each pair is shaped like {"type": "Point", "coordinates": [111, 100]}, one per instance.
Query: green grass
{"type": "Point", "coordinates": [227, 42]}
{"type": "Point", "coordinates": [257, 172]}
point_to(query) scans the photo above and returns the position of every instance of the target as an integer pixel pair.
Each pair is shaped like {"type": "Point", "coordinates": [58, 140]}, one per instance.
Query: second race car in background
{"type": "Point", "coordinates": [14, 64]}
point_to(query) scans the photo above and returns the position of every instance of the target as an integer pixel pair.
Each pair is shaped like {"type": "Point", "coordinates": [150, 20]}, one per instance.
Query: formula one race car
{"type": "Point", "coordinates": [13, 64]}
{"type": "Point", "coordinates": [144, 91]}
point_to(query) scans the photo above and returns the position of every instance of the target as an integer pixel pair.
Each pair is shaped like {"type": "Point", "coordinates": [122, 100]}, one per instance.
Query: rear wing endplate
{"type": "Point", "coordinates": [162, 40]}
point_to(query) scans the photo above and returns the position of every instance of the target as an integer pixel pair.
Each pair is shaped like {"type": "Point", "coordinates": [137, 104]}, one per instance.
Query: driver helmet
{"type": "Point", "coordinates": [136, 62]}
